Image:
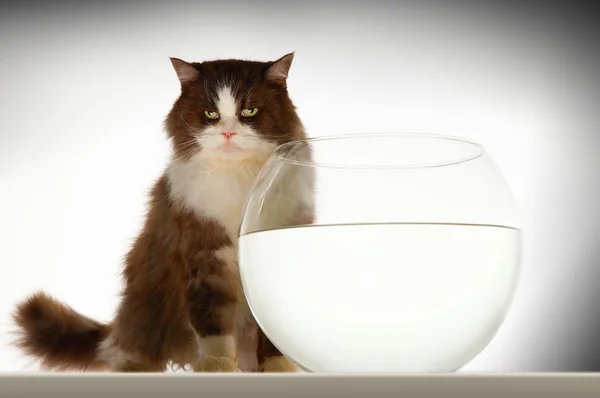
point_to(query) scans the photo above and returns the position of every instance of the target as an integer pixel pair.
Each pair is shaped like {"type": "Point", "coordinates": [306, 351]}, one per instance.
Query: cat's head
{"type": "Point", "coordinates": [232, 109]}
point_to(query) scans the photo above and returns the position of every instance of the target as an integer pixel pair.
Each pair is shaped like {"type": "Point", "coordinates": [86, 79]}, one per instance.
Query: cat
{"type": "Point", "coordinates": [182, 302]}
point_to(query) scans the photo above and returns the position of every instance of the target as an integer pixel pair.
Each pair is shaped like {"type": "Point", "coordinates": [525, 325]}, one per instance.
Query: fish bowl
{"type": "Point", "coordinates": [373, 253]}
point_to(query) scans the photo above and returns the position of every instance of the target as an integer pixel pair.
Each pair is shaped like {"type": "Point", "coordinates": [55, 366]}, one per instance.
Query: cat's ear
{"type": "Point", "coordinates": [278, 71]}
{"type": "Point", "coordinates": [186, 72]}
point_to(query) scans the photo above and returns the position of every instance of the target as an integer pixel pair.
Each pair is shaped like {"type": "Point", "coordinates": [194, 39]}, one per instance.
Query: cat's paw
{"type": "Point", "coordinates": [217, 364]}
{"type": "Point", "coordinates": [279, 364]}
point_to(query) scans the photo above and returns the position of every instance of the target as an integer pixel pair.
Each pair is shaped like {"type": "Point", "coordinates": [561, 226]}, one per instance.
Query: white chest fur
{"type": "Point", "coordinates": [214, 188]}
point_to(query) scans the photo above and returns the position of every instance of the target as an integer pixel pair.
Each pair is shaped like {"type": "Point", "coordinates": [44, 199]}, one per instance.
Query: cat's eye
{"type": "Point", "coordinates": [211, 114]}
{"type": "Point", "coordinates": [249, 112]}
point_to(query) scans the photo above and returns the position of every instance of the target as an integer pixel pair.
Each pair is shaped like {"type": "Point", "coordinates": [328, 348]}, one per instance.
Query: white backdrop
{"type": "Point", "coordinates": [84, 93]}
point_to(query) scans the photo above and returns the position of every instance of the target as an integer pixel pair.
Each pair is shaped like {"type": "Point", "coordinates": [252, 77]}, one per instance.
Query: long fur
{"type": "Point", "coordinates": [182, 301]}
{"type": "Point", "coordinates": [60, 337]}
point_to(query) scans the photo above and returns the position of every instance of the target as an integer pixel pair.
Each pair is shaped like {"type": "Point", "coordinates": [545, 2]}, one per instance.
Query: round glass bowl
{"type": "Point", "coordinates": [380, 252]}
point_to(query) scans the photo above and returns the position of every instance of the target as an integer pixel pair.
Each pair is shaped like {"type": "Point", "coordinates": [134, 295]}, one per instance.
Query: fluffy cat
{"type": "Point", "coordinates": [182, 301]}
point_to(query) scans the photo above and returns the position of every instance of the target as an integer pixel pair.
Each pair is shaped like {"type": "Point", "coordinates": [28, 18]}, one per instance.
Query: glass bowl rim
{"type": "Point", "coordinates": [278, 152]}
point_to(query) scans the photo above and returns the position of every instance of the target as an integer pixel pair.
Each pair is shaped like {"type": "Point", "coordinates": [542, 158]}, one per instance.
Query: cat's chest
{"type": "Point", "coordinates": [217, 194]}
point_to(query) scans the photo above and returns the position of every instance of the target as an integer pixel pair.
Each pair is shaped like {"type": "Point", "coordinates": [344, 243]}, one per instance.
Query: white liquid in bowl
{"type": "Point", "coordinates": [381, 297]}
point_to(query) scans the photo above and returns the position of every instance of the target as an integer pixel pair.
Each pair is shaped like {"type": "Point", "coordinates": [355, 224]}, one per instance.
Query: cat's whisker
{"type": "Point", "coordinates": [187, 144]}
{"type": "Point", "coordinates": [263, 136]}
{"type": "Point", "coordinates": [193, 131]}
{"type": "Point", "coordinates": [186, 150]}
{"type": "Point", "coordinates": [191, 222]}
{"type": "Point", "coordinates": [187, 141]}
{"type": "Point", "coordinates": [180, 155]}
{"type": "Point", "coordinates": [186, 124]}
{"type": "Point", "coordinates": [189, 153]}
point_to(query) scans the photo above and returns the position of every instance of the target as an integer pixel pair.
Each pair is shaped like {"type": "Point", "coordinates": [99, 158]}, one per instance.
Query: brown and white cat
{"type": "Point", "coordinates": [182, 301]}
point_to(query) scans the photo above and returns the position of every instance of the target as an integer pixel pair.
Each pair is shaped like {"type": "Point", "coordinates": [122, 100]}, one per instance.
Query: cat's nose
{"type": "Point", "coordinates": [228, 134]}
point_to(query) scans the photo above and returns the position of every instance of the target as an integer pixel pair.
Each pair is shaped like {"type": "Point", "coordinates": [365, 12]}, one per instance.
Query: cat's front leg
{"type": "Point", "coordinates": [212, 300]}
{"type": "Point", "coordinates": [270, 359]}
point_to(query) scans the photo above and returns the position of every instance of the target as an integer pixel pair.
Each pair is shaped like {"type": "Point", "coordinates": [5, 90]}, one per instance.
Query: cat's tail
{"type": "Point", "coordinates": [58, 336]}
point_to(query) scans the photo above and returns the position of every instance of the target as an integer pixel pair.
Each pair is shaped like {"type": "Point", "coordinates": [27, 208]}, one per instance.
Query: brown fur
{"type": "Point", "coordinates": [176, 288]}
{"type": "Point", "coordinates": [277, 120]}
{"type": "Point", "coordinates": [58, 335]}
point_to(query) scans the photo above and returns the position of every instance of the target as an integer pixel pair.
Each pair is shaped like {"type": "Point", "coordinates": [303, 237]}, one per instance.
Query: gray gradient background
{"type": "Point", "coordinates": [85, 86]}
